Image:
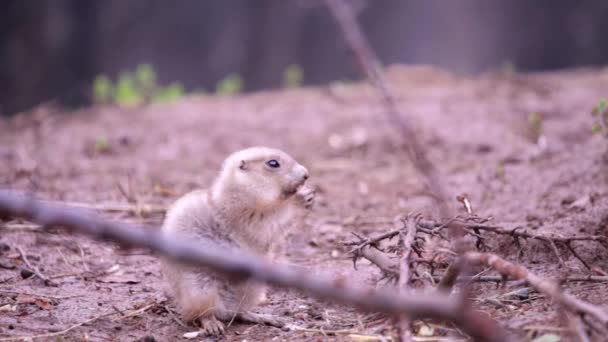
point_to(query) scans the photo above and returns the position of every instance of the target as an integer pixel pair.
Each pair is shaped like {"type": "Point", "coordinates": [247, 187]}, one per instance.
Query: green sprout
{"type": "Point", "coordinates": [535, 121]}
{"type": "Point", "coordinates": [102, 89]}
{"type": "Point", "coordinates": [169, 94]}
{"type": "Point", "coordinates": [230, 85]}
{"type": "Point", "coordinates": [145, 77]}
{"type": "Point", "coordinates": [127, 94]}
{"type": "Point", "coordinates": [102, 144]}
{"type": "Point", "coordinates": [600, 112]}
{"type": "Point", "coordinates": [293, 76]}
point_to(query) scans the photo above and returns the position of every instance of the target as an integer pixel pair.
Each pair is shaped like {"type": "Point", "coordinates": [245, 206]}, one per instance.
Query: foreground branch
{"type": "Point", "coordinates": [240, 265]}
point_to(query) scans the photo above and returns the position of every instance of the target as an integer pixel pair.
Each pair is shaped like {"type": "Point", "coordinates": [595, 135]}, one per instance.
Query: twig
{"type": "Point", "coordinates": [38, 295]}
{"type": "Point", "coordinates": [499, 279]}
{"type": "Point", "coordinates": [47, 281]}
{"type": "Point", "coordinates": [423, 226]}
{"type": "Point", "coordinates": [244, 265]}
{"type": "Point", "coordinates": [20, 226]}
{"type": "Point", "coordinates": [522, 233]}
{"type": "Point", "coordinates": [448, 280]}
{"type": "Point", "coordinates": [135, 312]}
{"type": "Point", "coordinates": [404, 273]}
{"type": "Point", "coordinates": [408, 241]}
{"type": "Point", "coordinates": [388, 266]}
{"type": "Point", "coordinates": [326, 332]}
{"type": "Point", "coordinates": [473, 228]}
{"type": "Point", "coordinates": [562, 264]}
{"type": "Point", "coordinates": [82, 257]}
{"type": "Point", "coordinates": [174, 316]}
{"type": "Point", "coordinates": [550, 239]}
{"type": "Point", "coordinates": [58, 333]}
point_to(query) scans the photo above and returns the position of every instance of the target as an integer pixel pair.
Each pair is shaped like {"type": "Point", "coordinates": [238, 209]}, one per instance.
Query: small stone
{"type": "Point", "coordinates": [581, 203]}
{"type": "Point", "coordinates": [4, 247]}
{"type": "Point", "coordinates": [568, 200]}
{"type": "Point", "coordinates": [25, 273]}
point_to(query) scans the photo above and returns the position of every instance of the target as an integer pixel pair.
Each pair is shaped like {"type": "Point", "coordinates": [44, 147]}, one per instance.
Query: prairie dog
{"type": "Point", "coordinates": [245, 209]}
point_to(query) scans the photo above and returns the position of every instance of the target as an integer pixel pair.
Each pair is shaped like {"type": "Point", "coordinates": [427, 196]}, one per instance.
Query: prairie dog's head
{"type": "Point", "coordinates": [266, 176]}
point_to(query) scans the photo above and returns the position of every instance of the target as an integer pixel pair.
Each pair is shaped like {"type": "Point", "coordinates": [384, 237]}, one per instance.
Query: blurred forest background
{"type": "Point", "coordinates": [52, 50]}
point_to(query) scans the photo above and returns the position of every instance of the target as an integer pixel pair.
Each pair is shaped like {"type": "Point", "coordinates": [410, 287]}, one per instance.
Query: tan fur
{"type": "Point", "coordinates": [245, 209]}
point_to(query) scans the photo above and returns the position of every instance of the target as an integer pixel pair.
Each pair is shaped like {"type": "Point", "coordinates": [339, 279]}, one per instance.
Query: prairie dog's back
{"type": "Point", "coordinates": [188, 212]}
{"type": "Point", "coordinates": [191, 217]}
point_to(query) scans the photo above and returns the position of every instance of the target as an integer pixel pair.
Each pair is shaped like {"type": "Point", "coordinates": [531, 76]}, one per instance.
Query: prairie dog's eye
{"type": "Point", "coordinates": [273, 163]}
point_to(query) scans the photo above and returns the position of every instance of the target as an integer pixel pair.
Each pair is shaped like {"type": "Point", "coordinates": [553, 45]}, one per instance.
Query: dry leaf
{"type": "Point", "coordinates": [44, 304]}
{"type": "Point", "coordinates": [25, 299]}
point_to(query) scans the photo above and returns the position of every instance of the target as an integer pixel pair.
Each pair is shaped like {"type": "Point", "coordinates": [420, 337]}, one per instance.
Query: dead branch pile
{"type": "Point", "coordinates": [441, 269]}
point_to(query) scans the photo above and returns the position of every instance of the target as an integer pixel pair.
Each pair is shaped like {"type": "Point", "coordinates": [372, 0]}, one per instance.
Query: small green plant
{"type": "Point", "coordinates": [135, 88]}
{"type": "Point", "coordinates": [102, 89]}
{"type": "Point", "coordinates": [508, 68]}
{"type": "Point", "coordinates": [170, 93]}
{"type": "Point", "coordinates": [232, 84]}
{"type": "Point", "coordinates": [145, 78]}
{"type": "Point", "coordinates": [293, 76]}
{"type": "Point", "coordinates": [535, 125]}
{"type": "Point", "coordinates": [600, 114]}
{"type": "Point", "coordinates": [126, 92]}
{"type": "Point", "coordinates": [102, 144]}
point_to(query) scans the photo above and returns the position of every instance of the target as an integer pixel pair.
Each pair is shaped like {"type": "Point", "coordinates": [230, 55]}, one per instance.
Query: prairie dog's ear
{"type": "Point", "coordinates": [243, 165]}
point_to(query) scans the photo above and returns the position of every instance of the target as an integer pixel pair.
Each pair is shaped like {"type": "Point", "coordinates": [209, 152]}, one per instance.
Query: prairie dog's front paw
{"type": "Point", "coordinates": [211, 326]}
{"type": "Point", "coordinates": [306, 196]}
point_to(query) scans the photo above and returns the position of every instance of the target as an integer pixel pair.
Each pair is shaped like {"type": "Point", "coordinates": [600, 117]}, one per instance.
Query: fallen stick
{"type": "Point", "coordinates": [544, 286]}
{"type": "Point", "coordinates": [47, 281]}
{"type": "Point", "coordinates": [117, 207]}
{"type": "Point", "coordinates": [241, 265]}
{"type": "Point", "coordinates": [550, 239]}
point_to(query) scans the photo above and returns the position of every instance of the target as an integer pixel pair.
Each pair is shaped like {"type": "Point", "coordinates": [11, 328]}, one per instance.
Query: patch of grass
{"type": "Point", "coordinates": [134, 88]}
{"type": "Point", "coordinates": [293, 76]}
{"type": "Point", "coordinates": [172, 92]}
{"type": "Point", "coordinates": [232, 84]}
{"type": "Point", "coordinates": [600, 115]}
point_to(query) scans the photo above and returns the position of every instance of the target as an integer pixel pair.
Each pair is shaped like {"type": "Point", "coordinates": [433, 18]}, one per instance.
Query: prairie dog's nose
{"type": "Point", "coordinates": [303, 172]}
{"type": "Point", "coordinates": [305, 175]}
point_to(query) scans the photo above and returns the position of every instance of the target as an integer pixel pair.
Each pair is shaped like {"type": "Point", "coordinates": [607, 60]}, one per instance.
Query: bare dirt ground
{"type": "Point", "coordinates": [125, 162]}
